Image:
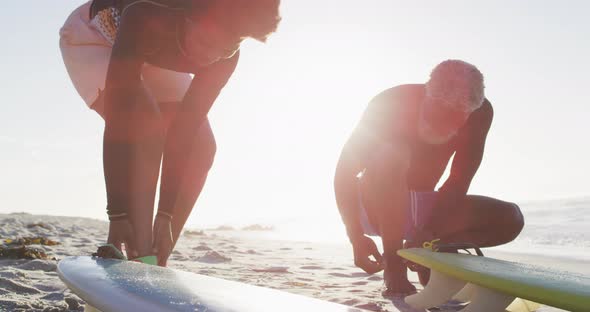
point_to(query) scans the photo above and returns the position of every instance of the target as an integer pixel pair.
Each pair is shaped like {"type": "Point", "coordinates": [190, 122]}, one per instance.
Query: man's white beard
{"type": "Point", "coordinates": [427, 135]}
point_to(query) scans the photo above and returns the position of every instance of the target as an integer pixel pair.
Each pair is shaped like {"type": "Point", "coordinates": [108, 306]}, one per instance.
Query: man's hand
{"type": "Point", "coordinates": [121, 232]}
{"type": "Point", "coordinates": [396, 278]}
{"type": "Point", "coordinates": [363, 248]}
{"type": "Point", "coordinates": [163, 240]}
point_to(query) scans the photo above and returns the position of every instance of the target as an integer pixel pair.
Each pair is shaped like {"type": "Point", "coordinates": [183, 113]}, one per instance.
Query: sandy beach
{"type": "Point", "coordinates": [317, 270]}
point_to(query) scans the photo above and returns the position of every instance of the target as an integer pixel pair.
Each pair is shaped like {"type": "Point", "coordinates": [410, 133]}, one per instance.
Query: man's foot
{"type": "Point", "coordinates": [395, 277]}
{"type": "Point", "coordinates": [402, 289]}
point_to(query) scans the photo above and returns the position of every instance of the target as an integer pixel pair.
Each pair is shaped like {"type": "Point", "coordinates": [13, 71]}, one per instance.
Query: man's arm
{"type": "Point", "coordinates": [373, 135]}
{"type": "Point", "coordinates": [367, 136]}
{"type": "Point", "coordinates": [352, 161]}
{"type": "Point", "coordinates": [384, 157]}
{"type": "Point", "coordinates": [364, 152]}
{"type": "Point", "coordinates": [468, 157]}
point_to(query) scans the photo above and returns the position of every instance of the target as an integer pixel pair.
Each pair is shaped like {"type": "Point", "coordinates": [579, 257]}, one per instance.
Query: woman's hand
{"type": "Point", "coordinates": [163, 242]}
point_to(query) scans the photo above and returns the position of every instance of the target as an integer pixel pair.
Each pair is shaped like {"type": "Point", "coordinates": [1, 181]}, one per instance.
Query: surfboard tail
{"type": "Point", "coordinates": [440, 289]}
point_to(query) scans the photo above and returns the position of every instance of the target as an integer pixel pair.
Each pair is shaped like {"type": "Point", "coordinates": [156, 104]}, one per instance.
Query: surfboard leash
{"type": "Point", "coordinates": [435, 246]}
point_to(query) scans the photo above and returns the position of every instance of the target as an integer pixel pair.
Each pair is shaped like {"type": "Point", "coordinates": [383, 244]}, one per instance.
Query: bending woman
{"type": "Point", "coordinates": [131, 61]}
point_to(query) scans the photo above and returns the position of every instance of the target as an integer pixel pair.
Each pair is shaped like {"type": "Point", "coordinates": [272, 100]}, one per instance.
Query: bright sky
{"type": "Point", "coordinates": [282, 119]}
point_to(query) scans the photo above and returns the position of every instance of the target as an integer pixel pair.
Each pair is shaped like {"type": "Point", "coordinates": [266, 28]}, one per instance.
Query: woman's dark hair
{"type": "Point", "coordinates": [257, 19]}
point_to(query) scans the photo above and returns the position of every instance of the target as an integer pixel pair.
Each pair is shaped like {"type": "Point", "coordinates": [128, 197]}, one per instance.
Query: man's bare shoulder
{"type": "Point", "coordinates": [396, 102]}
{"type": "Point", "coordinates": [393, 111]}
{"type": "Point", "coordinates": [483, 116]}
{"type": "Point", "coordinates": [399, 94]}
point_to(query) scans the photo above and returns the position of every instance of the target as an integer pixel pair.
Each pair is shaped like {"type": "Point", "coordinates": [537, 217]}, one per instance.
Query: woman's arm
{"type": "Point", "coordinates": [202, 93]}
{"type": "Point", "coordinates": [192, 112]}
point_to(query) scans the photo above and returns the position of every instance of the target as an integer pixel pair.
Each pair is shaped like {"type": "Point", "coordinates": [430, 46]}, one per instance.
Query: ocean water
{"type": "Point", "coordinates": [559, 228]}
{"type": "Point", "coordinates": [555, 227]}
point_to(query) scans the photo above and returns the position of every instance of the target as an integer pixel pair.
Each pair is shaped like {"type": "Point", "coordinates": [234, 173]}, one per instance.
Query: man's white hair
{"type": "Point", "coordinates": [458, 84]}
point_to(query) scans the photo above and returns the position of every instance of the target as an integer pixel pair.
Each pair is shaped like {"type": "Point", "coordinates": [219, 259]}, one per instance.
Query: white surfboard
{"type": "Point", "coordinates": [114, 285]}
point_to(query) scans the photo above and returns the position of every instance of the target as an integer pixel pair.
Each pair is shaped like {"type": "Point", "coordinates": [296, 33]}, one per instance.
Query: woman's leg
{"type": "Point", "coordinates": [174, 195]}
{"type": "Point", "coordinates": [132, 152]}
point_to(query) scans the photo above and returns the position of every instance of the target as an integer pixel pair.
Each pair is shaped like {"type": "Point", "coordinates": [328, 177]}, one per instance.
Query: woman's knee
{"type": "Point", "coordinates": [210, 154]}
{"type": "Point", "coordinates": [206, 147]}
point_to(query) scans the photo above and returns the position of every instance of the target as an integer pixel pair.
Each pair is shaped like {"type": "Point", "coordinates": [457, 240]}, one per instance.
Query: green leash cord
{"type": "Point", "coordinates": [151, 260]}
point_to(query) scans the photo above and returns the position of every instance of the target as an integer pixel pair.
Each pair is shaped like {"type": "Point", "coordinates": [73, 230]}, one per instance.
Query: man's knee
{"type": "Point", "coordinates": [516, 220]}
